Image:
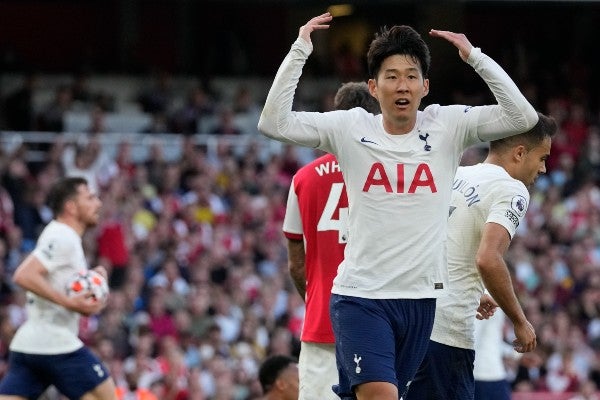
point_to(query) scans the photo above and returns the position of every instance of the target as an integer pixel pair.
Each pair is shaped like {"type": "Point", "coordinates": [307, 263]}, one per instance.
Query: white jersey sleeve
{"type": "Point", "coordinates": [513, 114]}
{"type": "Point", "coordinates": [510, 206]}
{"type": "Point", "coordinates": [292, 221]}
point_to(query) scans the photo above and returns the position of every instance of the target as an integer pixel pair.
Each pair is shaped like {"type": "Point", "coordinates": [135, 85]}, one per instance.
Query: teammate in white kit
{"type": "Point", "coordinates": [398, 169]}
{"type": "Point", "coordinates": [316, 229]}
{"type": "Point", "coordinates": [489, 200]}
{"type": "Point", "coordinates": [46, 349]}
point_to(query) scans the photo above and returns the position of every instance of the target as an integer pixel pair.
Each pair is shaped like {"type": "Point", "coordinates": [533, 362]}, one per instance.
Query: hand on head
{"type": "Point", "coordinates": [457, 39]}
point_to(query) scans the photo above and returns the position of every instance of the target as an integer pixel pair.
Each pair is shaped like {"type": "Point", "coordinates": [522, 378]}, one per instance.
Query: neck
{"type": "Point", "coordinates": [498, 160]}
{"type": "Point", "coordinates": [73, 223]}
{"type": "Point", "coordinates": [398, 126]}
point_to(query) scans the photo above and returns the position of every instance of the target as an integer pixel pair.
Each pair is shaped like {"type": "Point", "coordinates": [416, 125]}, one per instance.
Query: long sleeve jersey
{"type": "Point", "coordinates": [399, 186]}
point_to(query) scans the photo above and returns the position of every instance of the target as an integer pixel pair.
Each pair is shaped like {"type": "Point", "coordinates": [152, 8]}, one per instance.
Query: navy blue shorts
{"type": "Point", "coordinates": [379, 340]}
{"type": "Point", "coordinates": [73, 374]}
{"type": "Point", "coordinates": [445, 374]}
{"type": "Point", "coordinates": [492, 390]}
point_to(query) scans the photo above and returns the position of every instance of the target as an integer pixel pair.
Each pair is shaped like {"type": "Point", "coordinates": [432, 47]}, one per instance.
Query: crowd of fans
{"type": "Point", "coordinates": [200, 290]}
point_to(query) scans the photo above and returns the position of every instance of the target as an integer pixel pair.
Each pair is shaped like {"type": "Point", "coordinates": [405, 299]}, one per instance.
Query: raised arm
{"type": "Point", "coordinates": [276, 118]}
{"type": "Point", "coordinates": [513, 114]}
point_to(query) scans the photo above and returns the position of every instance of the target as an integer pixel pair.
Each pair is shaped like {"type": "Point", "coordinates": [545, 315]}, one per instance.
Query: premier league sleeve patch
{"type": "Point", "coordinates": [519, 205]}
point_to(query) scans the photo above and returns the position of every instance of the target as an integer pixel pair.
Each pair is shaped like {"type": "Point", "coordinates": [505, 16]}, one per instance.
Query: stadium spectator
{"type": "Point", "coordinates": [278, 377]}
{"type": "Point", "coordinates": [52, 115]}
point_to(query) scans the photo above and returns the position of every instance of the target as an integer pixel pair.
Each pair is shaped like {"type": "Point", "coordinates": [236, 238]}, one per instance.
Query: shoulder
{"type": "Point", "coordinates": [60, 234]}
{"type": "Point", "coordinates": [511, 191]}
{"type": "Point", "coordinates": [506, 184]}
{"type": "Point", "coordinates": [356, 114]}
{"type": "Point", "coordinates": [437, 110]}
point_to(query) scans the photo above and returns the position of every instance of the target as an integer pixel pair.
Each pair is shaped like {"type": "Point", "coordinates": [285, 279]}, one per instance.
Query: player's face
{"type": "Point", "coordinates": [399, 87]}
{"type": "Point", "coordinates": [290, 380]}
{"type": "Point", "coordinates": [534, 162]}
{"type": "Point", "coordinates": [88, 206]}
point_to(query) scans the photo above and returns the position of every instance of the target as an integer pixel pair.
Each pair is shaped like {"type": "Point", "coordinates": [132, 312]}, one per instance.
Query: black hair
{"type": "Point", "coordinates": [62, 191]}
{"type": "Point", "coordinates": [271, 368]}
{"type": "Point", "coordinates": [355, 94]}
{"type": "Point", "coordinates": [399, 39]}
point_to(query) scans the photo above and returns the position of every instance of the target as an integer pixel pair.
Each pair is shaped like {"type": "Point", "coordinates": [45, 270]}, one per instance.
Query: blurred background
{"type": "Point", "coordinates": [157, 102]}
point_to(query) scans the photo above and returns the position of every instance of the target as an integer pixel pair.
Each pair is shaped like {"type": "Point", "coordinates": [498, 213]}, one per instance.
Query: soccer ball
{"type": "Point", "coordinates": [89, 280]}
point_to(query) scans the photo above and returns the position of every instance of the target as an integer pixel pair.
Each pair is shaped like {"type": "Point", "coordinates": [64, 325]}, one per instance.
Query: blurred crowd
{"type": "Point", "coordinates": [200, 289]}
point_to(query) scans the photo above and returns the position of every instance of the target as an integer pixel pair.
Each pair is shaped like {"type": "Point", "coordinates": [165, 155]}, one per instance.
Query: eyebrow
{"type": "Point", "coordinates": [409, 69]}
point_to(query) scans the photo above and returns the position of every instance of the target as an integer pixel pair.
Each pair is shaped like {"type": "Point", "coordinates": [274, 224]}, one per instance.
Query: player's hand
{"type": "Point", "coordinates": [102, 271]}
{"type": "Point", "coordinates": [458, 39]}
{"type": "Point", "coordinates": [320, 22]}
{"type": "Point", "coordinates": [84, 303]}
{"type": "Point", "coordinates": [487, 307]}
{"type": "Point", "coordinates": [525, 337]}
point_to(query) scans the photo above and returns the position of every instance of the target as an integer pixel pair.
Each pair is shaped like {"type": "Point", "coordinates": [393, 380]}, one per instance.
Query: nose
{"type": "Point", "coordinates": [402, 85]}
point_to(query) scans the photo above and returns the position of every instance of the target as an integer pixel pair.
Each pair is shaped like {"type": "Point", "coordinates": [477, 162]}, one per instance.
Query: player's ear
{"type": "Point", "coordinates": [373, 87]}
{"type": "Point", "coordinates": [280, 384]}
{"type": "Point", "coordinates": [519, 152]}
{"type": "Point", "coordinates": [425, 87]}
{"type": "Point", "coordinates": [70, 207]}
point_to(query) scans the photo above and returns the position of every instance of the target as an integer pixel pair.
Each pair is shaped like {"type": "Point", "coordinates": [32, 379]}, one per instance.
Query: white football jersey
{"type": "Point", "coordinates": [398, 186]}
{"type": "Point", "coordinates": [483, 193]}
{"type": "Point", "coordinates": [50, 328]}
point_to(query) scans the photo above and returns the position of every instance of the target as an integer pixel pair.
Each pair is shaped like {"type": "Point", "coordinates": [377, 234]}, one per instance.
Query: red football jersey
{"type": "Point", "coordinates": [317, 212]}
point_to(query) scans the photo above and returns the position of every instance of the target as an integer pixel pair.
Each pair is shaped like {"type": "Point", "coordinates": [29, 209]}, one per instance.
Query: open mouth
{"type": "Point", "coordinates": [402, 102]}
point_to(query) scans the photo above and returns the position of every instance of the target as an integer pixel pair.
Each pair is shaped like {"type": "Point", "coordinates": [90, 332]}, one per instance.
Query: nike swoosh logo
{"type": "Point", "coordinates": [365, 140]}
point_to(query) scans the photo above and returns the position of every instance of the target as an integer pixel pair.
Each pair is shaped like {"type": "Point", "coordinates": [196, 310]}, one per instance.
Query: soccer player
{"type": "Point", "coordinates": [398, 170]}
{"type": "Point", "coordinates": [315, 227]}
{"type": "Point", "coordinates": [46, 349]}
{"type": "Point", "coordinates": [278, 376]}
{"type": "Point", "coordinates": [489, 200]}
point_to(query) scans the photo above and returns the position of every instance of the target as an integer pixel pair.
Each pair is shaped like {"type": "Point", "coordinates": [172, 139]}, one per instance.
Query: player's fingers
{"type": "Point", "coordinates": [102, 271]}
{"type": "Point", "coordinates": [324, 16]}
{"type": "Point", "coordinates": [319, 22]}
{"type": "Point", "coordinates": [518, 346]}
